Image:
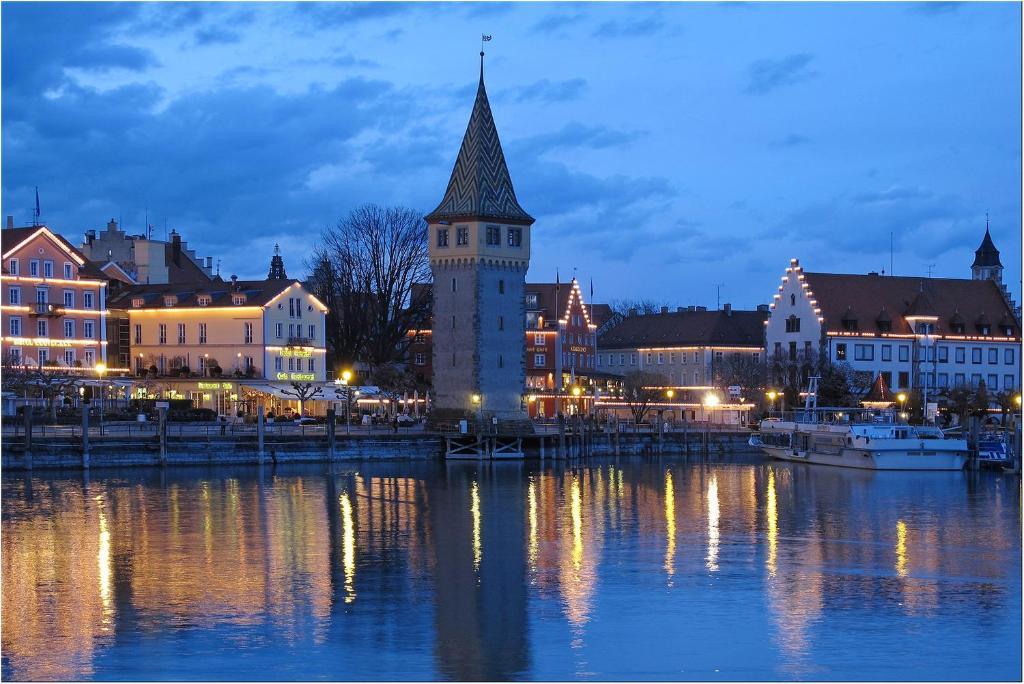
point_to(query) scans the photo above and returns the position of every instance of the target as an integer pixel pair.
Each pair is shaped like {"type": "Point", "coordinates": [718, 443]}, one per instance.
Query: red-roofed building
{"type": "Point", "coordinates": [920, 334]}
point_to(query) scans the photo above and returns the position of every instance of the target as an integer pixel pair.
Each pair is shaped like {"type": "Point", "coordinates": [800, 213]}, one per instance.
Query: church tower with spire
{"type": "Point", "coordinates": [479, 242]}
{"type": "Point", "coordinates": [276, 265]}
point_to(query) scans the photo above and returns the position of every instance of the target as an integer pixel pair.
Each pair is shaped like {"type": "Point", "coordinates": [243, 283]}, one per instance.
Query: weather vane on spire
{"type": "Point", "coordinates": [484, 38]}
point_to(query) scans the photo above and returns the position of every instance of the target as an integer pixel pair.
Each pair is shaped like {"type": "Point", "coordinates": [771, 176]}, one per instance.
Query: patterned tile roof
{"type": "Point", "coordinates": [480, 186]}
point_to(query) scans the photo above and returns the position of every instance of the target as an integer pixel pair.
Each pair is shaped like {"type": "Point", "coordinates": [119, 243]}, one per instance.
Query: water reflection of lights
{"type": "Point", "coordinates": [714, 512]}
{"type": "Point", "coordinates": [474, 494]}
{"type": "Point", "coordinates": [348, 548]}
{"type": "Point", "coordinates": [901, 548]}
{"type": "Point", "coordinates": [773, 525]}
{"type": "Point", "coordinates": [532, 499]}
{"type": "Point", "coordinates": [103, 558]}
{"type": "Point", "coordinates": [576, 510]}
{"type": "Point", "coordinates": [670, 524]}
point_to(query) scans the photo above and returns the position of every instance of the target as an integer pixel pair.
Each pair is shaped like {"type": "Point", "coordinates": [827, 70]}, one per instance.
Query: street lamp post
{"type": "Point", "coordinates": [902, 398]}
{"type": "Point", "coordinates": [101, 368]}
{"type": "Point", "coordinates": [710, 401]}
{"type": "Point", "coordinates": [772, 396]}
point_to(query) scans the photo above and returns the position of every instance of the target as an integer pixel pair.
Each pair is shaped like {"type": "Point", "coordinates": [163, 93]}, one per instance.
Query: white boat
{"type": "Point", "coordinates": [870, 439]}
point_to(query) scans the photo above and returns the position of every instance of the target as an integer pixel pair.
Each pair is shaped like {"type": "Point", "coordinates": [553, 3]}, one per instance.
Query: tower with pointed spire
{"type": "Point", "coordinates": [986, 264]}
{"type": "Point", "coordinates": [479, 242]}
{"type": "Point", "coordinates": [276, 265]}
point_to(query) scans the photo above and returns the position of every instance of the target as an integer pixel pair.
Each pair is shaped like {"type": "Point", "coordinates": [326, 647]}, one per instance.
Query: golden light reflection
{"type": "Point", "coordinates": [348, 548]}
{"type": "Point", "coordinates": [103, 559]}
{"type": "Point", "coordinates": [714, 512]}
{"type": "Point", "coordinates": [576, 511]}
{"type": "Point", "coordinates": [475, 509]}
{"type": "Point", "coordinates": [901, 548]}
{"type": "Point", "coordinates": [532, 499]}
{"type": "Point", "coordinates": [773, 525]}
{"type": "Point", "coordinates": [670, 525]}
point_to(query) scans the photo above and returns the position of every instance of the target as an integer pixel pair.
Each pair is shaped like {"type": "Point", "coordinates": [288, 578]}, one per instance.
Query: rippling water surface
{"type": "Point", "coordinates": [628, 569]}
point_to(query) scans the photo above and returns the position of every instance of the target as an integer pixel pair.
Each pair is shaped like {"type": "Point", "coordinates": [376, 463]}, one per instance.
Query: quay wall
{"type": "Point", "coordinates": [105, 452]}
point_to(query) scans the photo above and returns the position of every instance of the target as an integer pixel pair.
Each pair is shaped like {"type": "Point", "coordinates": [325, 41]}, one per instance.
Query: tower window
{"type": "Point", "coordinates": [493, 236]}
{"type": "Point", "coordinates": [461, 235]}
{"type": "Point", "coordinates": [501, 361]}
{"type": "Point", "coordinates": [501, 322]}
{"type": "Point", "coordinates": [515, 237]}
{"type": "Point", "coordinates": [442, 237]}
{"type": "Point", "coordinates": [455, 287]}
{"type": "Point", "coordinates": [501, 287]}
{"type": "Point", "coordinates": [792, 324]}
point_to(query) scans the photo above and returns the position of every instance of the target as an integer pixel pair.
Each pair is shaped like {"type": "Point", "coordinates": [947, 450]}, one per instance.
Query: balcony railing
{"type": "Point", "coordinates": [299, 342]}
{"type": "Point", "coordinates": [47, 309]}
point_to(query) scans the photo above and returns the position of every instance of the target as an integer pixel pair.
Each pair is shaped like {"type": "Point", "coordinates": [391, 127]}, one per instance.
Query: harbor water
{"type": "Point", "coordinates": [638, 568]}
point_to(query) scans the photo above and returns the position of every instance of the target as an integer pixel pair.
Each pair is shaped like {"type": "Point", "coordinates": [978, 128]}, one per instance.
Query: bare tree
{"type": "Point", "coordinates": [366, 267]}
{"type": "Point", "coordinates": [303, 391]}
{"type": "Point", "coordinates": [52, 381]}
{"type": "Point", "coordinates": [640, 388]}
{"type": "Point", "coordinates": [393, 381]}
{"type": "Point", "coordinates": [16, 375]}
{"type": "Point", "coordinates": [742, 369]}
{"type": "Point", "coordinates": [623, 307]}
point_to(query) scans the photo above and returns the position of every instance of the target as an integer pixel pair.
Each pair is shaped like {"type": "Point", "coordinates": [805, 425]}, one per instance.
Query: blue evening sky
{"type": "Point", "coordinates": [663, 148]}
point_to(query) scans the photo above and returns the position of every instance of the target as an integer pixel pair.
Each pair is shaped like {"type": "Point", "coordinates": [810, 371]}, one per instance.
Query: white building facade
{"type": "Point", "coordinates": [922, 335]}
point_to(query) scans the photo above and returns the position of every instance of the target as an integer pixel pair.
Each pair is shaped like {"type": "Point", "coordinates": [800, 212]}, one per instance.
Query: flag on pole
{"type": "Point", "coordinates": [485, 38]}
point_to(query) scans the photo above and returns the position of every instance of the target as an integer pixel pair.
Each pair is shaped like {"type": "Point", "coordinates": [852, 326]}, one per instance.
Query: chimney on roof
{"type": "Point", "coordinates": [701, 308]}
{"type": "Point", "coordinates": [632, 312]}
{"type": "Point", "coordinates": [111, 225]}
{"type": "Point", "coordinates": [10, 221]}
{"type": "Point", "coordinates": [727, 309]}
{"type": "Point", "coordinates": [691, 307]}
{"type": "Point", "coordinates": [664, 309]}
{"type": "Point", "coordinates": [209, 263]}
{"type": "Point", "coordinates": [680, 309]}
{"type": "Point", "coordinates": [873, 273]}
{"type": "Point", "coordinates": [176, 247]}
{"type": "Point", "coordinates": [762, 307]}
{"type": "Point", "coordinates": [234, 282]}
{"type": "Point", "coordinates": [90, 236]}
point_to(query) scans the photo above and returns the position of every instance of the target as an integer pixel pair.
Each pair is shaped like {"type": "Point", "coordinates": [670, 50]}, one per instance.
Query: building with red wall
{"type": "Point", "coordinates": [54, 302]}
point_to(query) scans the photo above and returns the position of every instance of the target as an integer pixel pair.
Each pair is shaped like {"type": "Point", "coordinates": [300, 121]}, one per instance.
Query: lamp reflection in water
{"type": "Point", "coordinates": [714, 512]}
{"type": "Point", "coordinates": [474, 508]}
{"type": "Point", "coordinates": [103, 559]}
{"type": "Point", "coordinates": [901, 548]}
{"type": "Point", "coordinates": [348, 548]}
{"type": "Point", "coordinates": [532, 500]}
{"type": "Point", "coordinates": [773, 524]}
{"type": "Point", "coordinates": [576, 511]}
{"type": "Point", "coordinates": [670, 525]}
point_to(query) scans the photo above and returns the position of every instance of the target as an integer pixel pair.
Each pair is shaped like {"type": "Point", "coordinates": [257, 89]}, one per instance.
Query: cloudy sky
{"type": "Point", "coordinates": [664, 149]}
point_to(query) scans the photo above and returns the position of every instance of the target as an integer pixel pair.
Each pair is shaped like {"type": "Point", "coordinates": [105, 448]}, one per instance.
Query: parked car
{"type": "Point", "coordinates": [306, 420]}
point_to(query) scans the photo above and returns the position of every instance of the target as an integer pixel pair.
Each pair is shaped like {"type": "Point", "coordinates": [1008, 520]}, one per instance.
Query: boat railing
{"type": "Point", "coordinates": [834, 415]}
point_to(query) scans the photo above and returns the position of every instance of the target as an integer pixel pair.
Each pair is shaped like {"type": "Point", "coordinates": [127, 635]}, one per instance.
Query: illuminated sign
{"type": "Point", "coordinates": [300, 353]}
{"type": "Point", "coordinates": [214, 385]}
{"type": "Point", "coordinates": [579, 350]}
{"type": "Point", "coordinates": [309, 377]}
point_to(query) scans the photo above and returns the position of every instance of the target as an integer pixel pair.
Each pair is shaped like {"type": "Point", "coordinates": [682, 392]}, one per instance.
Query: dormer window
{"type": "Point", "coordinates": [923, 328]}
{"type": "Point", "coordinates": [170, 300]}
{"type": "Point", "coordinates": [885, 326]}
{"type": "Point", "coordinates": [1008, 331]}
{"type": "Point", "coordinates": [958, 327]}
{"type": "Point", "coordinates": [238, 299]}
{"type": "Point", "coordinates": [985, 330]}
{"type": "Point", "coordinates": [203, 300]}
{"type": "Point", "coordinates": [138, 302]}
